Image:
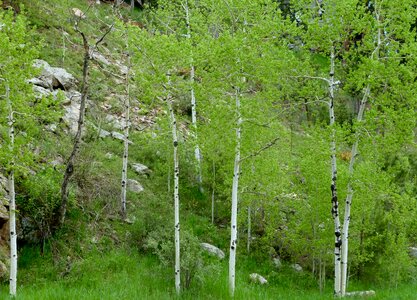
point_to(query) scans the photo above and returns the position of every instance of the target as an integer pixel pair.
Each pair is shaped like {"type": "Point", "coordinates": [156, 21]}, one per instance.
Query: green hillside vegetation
{"type": "Point", "coordinates": [291, 66]}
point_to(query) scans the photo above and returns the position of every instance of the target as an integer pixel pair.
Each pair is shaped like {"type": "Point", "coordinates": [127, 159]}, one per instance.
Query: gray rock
{"type": "Point", "coordinates": [53, 78]}
{"type": "Point", "coordinates": [116, 123]}
{"type": "Point", "coordinates": [413, 251]}
{"type": "Point", "coordinates": [70, 118]}
{"type": "Point", "coordinates": [134, 186]}
{"type": "Point", "coordinates": [109, 155]}
{"type": "Point", "coordinates": [277, 262]}
{"type": "Point", "coordinates": [104, 133]}
{"type": "Point", "coordinates": [119, 136]}
{"type": "Point", "coordinates": [41, 92]}
{"type": "Point", "coordinates": [256, 278]}
{"type": "Point", "coordinates": [297, 267]}
{"type": "Point", "coordinates": [73, 96]}
{"type": "Point", "coordinates": [51, 127]}
{"type": "Point", "coordinates": [99, 57]}
{"type": "Point", "coordinates": [37, 82]}
{"type": "Point", "coordinates": [123, 69]}
{"type": "Point", "coordinates": [213, 250]}
{"type": "Point", "coordinates": [140, 168]}
{"type": "Point", "coordinates": [57, 162]}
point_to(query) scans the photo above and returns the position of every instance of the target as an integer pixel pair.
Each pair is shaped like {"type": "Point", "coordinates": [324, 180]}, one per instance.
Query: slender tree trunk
{"type": "Point", "coordinates": [126, 143]}
{"type": "Point", "coordinates": [235, 186]}
{"type": "Point", "coordinates": [197, 153]}
{"type": "Point", "coordinates": [176, 194]}
{"type": "Point", "coordinates": [12, 201]}
{"type": "Point", "coordinates": [348, 202]}
{"type": "Point", "coordinates": [354, 153]}
{"type": "Point", "coordinates": [69, 170]}
{"type": "Point", "coordinates": [333, 186]}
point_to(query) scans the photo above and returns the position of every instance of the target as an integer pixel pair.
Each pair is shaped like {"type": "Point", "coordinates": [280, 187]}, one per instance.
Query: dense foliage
{"type": "Point", "coordinates": [292, 64]}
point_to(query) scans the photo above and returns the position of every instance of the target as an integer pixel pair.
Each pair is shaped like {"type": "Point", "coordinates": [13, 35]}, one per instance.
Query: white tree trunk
{"type": "Point", "coordinates": [235, 186]}
{"type": "Point", "coordinates": [197, 153]}
{"type": "Point", "coordinates": [333, 187]}
{"type": "Point", "coordinates": [348, 202]}
{"type": "Point", "coordinates": [126, 143]}
{"type": "Point", "coordinates": [12, 202]}
{"type": "Point", "coordinates": [354, 152]}
{"type": "Point", "coordinates": [176, 195]}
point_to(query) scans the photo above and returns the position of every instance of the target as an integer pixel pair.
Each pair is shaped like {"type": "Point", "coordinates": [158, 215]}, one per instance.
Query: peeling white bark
{"type": "Point", "coordinates": [235, 186]}
{"type": "Point", "coordinates": [126, 143]}
{"type": "Point", "coordinates": [354, 153]}
{"type": "Point", "coordinates": [12, 201]}
{"type": "Point", "coordinates": [176, 194]}
{"type": "Point", "coordinates": [333, 187]}
{"type": "Point", "coordinates": [348, 202]}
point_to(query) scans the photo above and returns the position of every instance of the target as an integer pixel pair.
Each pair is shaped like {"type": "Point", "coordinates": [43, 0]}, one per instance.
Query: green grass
{"type": "Point", "coordinates": [125, 275]}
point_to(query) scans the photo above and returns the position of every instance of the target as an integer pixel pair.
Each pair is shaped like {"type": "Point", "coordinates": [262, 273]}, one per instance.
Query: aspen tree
{"type": "Point", "coordinates": [176, 190]}
{"type": "Point", "coordinates": [16, 67]}
{"type": "Point", "coordinates": [12, 200]}
{"type": "Point", "coordinates": [126, 137]}
{"type": "Point", "coordinates": [333, 187]}
{"type": "Point", "coordinates": [193, 99]}
{"type": "Point", "coordinates": [324, 29]}
{"type": "Point", "coordinates": [354, 153]}
{"type": "Point", "coordinates": [235, 189]}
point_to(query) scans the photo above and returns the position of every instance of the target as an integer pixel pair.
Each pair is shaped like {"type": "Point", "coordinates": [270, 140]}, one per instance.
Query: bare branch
{"type": "Point", "coordinates": [256, 153]}
{"type": "Point", "coordinates": [104, 35]}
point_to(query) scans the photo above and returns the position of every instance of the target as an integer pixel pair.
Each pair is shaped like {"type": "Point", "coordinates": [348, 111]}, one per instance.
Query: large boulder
{"type": "Point", "coordinates": [52, 77]}
{"type": "Point", "coordinates": [213, 250]}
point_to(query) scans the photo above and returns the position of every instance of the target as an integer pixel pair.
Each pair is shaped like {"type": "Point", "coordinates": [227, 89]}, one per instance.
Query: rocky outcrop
{"type": "Point", "coordinates": [53, 78]}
